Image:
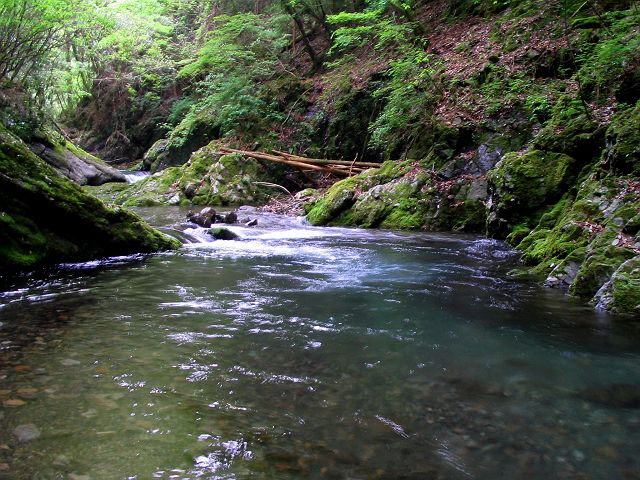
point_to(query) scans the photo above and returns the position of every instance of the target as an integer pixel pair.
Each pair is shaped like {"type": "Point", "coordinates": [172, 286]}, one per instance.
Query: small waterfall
{"type": "Point", "coordinates": [134, 176]}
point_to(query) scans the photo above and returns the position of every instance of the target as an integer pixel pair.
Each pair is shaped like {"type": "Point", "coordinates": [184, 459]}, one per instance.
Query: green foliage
{"type": "Point", "coordinates": [409, 97]}
{"type": "Point", "coordinates": [239, 41]}
{"type": "Point", "coordinates": [357, 29]}
{"type": "Point", "coordinates": [603, 63]}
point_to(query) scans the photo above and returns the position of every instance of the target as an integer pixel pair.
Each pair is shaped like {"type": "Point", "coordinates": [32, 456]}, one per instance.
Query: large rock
{"type": "Point", "coordinates": [589, 243]}
{"type": "Point", "coordinates": [524, 185]}
{"type": "Point", "coordinates": [46, 218]}
{"type": "Point", "coordinates": [73, 162]}
{"type": "Point", "coordinates": [403, 195]}
{"type": "Point", "coordinates": [208, 178]}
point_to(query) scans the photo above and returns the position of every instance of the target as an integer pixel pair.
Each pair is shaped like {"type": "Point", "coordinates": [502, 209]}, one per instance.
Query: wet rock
{"type": "Point", "coordinates": [222, 233]}
{"type": "Point", "coordinates": [204, 218]}
{"type": "Point", "coordinates": [230, 218]}
{"type": "Point", "coordinates": [620, 395]}
{"type": "Point", "coordinates": [27, 392]}
{"type": "Point", "coordinates": [251, 223]}
{"type": "Point", "coordinates": [488, 158]}
{"type": "Point", "coordinates": [26, 433]}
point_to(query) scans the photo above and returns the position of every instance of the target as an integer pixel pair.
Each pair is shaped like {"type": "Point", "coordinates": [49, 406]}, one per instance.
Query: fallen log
{"type": "Point", "coordinates": [322, 161]}
{"type": "Point", "coordinates": [273, 158]}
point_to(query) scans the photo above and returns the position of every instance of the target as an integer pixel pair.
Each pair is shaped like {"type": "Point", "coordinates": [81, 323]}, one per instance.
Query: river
{"type": "Point", "coordinates": [300, 352]}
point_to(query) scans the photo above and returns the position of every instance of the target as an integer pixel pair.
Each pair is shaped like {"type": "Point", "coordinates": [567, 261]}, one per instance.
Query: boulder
{"type": "Point", "coordinates": [45, 218]}
{"type": "Point", "coordinates": [73, 162]}
{"type": "Point", "coordinates": [204, 218]}
{"type": "Point", "coordinates": [223, 233]}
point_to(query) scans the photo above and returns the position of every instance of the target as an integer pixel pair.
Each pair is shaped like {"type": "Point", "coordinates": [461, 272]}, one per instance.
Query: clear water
{"type": "Point", "coordinates": [300, 352]}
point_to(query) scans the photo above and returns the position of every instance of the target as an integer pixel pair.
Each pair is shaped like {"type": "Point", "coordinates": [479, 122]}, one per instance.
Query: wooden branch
{"type": "Point", "coordinates": [272, 158]}
{"type": "Point", "coordinates": [327, 162]}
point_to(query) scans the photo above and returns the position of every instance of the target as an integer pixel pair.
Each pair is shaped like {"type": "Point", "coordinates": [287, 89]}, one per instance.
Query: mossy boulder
{"type": "Point", "coordinates": [524, 185]}
{"type": "Point", "coordinates": [584, 240]}
{"type": "Point", "coordinates": [195, 131]}
{"type": "Point", "coordinates": [402, 195]}
{"type": "Point", "coordinates": [579, 137]}
{"type": "Point", "coordinates": [622, 153]}
{"type": "Point", "coordinates": [45, 218]}
{"type": "Point", "coordinates": [208, 178]}
{"type": "Point", "coordinates": [621, 293]}
{"type": "Point", "coordinates": [20, 117]}
{"type": "Point", "coordinates": [70, 160]}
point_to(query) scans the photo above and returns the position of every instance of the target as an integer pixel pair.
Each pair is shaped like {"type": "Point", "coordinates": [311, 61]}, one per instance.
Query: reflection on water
{"type": "Point", "coordinates": [299, 352]}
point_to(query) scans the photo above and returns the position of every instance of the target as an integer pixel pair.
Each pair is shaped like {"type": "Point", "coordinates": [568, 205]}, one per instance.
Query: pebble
{"type": "Point", "coordinates": [26, 433]}
{"type": "Point", "coordinates": [14, 402]}
{"type": "Point", "coordinates": [27, 392]}
{"type": "Point", "coordinates": [69, 362]}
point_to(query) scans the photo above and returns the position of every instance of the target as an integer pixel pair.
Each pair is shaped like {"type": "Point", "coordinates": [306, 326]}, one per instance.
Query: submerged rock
{"type": "Point", "coordinates": [45, 218]}
{"type": "Point", "coordinates": [26, 433]}
{"type": "Point", "coordinates": [620, 395]}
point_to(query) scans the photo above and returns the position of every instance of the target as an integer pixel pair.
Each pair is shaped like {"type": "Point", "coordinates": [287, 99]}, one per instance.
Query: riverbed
{"type": "Point", "coordinates": [302, 352]}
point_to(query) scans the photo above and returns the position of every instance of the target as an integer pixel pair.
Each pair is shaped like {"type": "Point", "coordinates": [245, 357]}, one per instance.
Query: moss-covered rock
{"type": "Point", "coordinates": [582, 241]}
{"type": "Point", "coordinates": [621, 293]}
{"type": "Point", "coordinates": [70, 160]}
{"type": "Point", "coordinates": [623, 143]}
{"type": "Point", "coordinates": [21, 118]}
{"type": "Point", "coordinates": [45, 218]}
{"type": "Point", "coordinates": [579, 137]}
{"type": "Point", "coordinates": [403, 195]}
{"type": "Point", "coordinates": [523, 185]}
{"type": "Point", "coordinates": [208, 178]}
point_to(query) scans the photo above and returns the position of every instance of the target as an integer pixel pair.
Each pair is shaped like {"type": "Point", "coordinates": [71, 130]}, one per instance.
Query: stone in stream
{"type": "Point", "coordinates": [26, 433]}
{"type": "Point", "coordinates": [222, 233]}
{"type": "Point", "coordinates": [203, 218]}
{"type": "Point", "coordinates": [69, 362]}
{"type": "Point", "coordinates": [230, 218]}
{"type": "Point", "coordinates": [251, 223]}
{"type": "Point", "coordinates": [620, 395]}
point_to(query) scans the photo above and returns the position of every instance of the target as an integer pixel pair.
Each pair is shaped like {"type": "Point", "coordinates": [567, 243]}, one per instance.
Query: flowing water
{"type": "Point", "coordinates": [134, 176]}
{"type": "Point", "coordinates": [299, 352]}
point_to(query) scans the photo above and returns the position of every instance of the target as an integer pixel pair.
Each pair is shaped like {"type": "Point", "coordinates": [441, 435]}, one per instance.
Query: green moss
{"type": "Point", "coordinates": [623, 138]}
{"type": "Point", "coordinates": [208, 178]}
{"type": "Point", "coordinates": [337, 199]}
{"type": "Point", "coordinates": [577, 136]}
{"type": "Point", "coordinates": [45, 218]}
{"type": "Point", "coordinates": [518, 233]}
{"type": "Point", "coordinates": [524, 184]}
{"type": "Point", "coordinates": [402, 219]}
{"type": "Point", "coordinates": [597, 270]}
{"type": "Point", "coordinates": [625, 288]}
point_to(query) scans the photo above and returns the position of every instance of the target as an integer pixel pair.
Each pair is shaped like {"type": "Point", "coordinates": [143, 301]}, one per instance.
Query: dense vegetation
{"type": "Point", "coordinates": [518, 119]}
